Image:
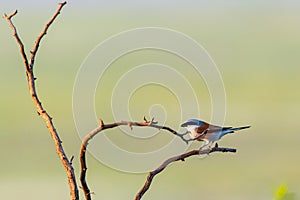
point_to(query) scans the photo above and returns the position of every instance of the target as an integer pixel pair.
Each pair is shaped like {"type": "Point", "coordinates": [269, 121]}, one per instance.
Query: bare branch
{"type": "Point", "coordinates": [181, 157]}
{"type": "Point", "coordinates": [19, 41]}
{"type": "Point", "coordinates": [102, 127]}
{"type": "Point", "coordinates": [43, 33]}
{"type": "Point", "coordinates": [130, 124]}
{"type": "Point", "coordinates": [85, 142]}
{"type": "Point", "coordinates": [181, 135]}
{"type": "Point", "coordinates": [10, 16]}
{"type": "Point", "coordinates": [40, 110]}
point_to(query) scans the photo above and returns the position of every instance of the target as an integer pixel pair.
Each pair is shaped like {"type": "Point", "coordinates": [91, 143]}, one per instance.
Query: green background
{"type": "Point", "coordinates": [256, 48]}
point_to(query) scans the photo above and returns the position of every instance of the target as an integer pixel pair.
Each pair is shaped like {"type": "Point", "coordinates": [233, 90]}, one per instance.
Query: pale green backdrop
{"type": "Point", "coordinates": [256, 48]}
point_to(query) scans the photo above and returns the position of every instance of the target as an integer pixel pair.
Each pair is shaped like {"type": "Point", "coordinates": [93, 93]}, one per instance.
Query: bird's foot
{"type": "Point", "coordinates": [216, 145]}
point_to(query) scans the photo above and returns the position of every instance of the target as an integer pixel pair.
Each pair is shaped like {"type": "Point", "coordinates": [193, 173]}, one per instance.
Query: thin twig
{"type": "Point", "coordinates": [181, 135]}
{"type": "Point", "coordinates": [102, 127]}
{"type": "Point", "coordinates": [181, 157]}
{"type": "Point", "coordinates": [43, 33]}
{"type": "Point", "coordinates": [40, 110]}
{"type": "Point", "coordinates": [15, 34]}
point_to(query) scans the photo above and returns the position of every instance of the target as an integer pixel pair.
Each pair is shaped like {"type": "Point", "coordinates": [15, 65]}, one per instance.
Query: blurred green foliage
{"type": "Point", "coordinates": [282, 193]}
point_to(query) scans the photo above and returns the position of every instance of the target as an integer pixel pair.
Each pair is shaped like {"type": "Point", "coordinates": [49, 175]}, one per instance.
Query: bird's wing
{"type": "Point", "coordinates": [210, 128]}
{"type": "Point", "coordinates": [213, 129]}
{"type": "Point", "coordinates": [216, 128]}
{"type": "Point", "coordinates": [201, 129]}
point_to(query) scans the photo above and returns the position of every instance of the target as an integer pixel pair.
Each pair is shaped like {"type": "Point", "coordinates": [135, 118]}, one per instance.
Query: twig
{"type": "Point", "coordinates": [40, 110]}
{"type": "Point", "coordinates": [102, 127]}
{"type": "Point", "coordinates": [181, 157]}
{"type": "Point", "coordinates": [43, 33]}
{"type": "Point", "coordinates": [15, 34]}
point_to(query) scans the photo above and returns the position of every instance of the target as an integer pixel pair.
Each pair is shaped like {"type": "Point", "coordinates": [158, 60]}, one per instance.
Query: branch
{"type": "Point", "coordinates": [40, 110]}
{"type": "Point", "coordinates": [181, 157]}
{"type": "Point", "coordinates": [102, 127]}
{"type": "Point", "coordinates": [154, 125]}
{"type": "Point", "coordinates": [43, 33]}
{"type": "Point", "coordinates": [15, 34]}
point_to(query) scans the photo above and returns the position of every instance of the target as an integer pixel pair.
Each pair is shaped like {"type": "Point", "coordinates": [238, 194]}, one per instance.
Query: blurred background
{"type": "Point", "coordinates": [256, 48]}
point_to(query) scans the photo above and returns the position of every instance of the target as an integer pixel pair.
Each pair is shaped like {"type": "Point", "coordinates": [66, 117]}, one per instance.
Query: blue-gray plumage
{"type": "Point", "coordinates": [202, 131]}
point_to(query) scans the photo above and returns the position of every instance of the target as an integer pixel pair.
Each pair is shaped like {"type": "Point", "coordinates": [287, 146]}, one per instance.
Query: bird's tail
{"type": "Point", "coordinates": [239, 128]}
{"type": "Point", "coordinates": [232, 130]}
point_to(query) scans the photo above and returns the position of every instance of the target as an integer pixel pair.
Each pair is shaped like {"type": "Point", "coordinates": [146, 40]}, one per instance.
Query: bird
{"type": "Point", "coordinates": [202, 131]}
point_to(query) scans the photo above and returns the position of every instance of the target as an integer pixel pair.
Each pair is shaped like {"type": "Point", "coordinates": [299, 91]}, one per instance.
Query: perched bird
{"type": "Point", "coordinates": [202, 131]}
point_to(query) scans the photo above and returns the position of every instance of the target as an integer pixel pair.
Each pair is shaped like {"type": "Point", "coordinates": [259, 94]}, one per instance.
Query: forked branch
{"type": "Point", "coordinates": [32, 89]}
{"type": "Point", "coordinates": [151, 175]}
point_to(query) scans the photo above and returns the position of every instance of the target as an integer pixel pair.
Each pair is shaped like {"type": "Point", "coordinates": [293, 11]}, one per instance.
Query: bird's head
{"type": "Point", "coordinates": [192, 122]}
